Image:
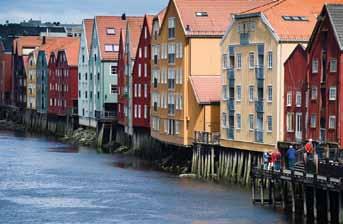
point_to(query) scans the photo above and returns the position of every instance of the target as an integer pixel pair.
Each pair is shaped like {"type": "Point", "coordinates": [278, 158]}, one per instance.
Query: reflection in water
{"type": "Point", "coordinates": [39, 184]}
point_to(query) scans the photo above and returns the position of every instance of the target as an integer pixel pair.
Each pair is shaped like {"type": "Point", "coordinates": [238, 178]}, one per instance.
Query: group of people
{"type": "Point", "coordinates": [272, 160]}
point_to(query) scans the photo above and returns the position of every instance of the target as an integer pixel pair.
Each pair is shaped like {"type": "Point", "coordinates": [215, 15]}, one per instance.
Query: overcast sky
{"type": "Point", "coordinates": [73, 11]}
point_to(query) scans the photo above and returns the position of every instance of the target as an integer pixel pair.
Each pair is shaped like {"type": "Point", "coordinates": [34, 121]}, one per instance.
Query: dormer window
{"type": "Point", "coordinates": [201, 14]}
{"type": "Point", "coordinates": [111, 48]}
{"type": "Point", "coordinates": [111, 31]}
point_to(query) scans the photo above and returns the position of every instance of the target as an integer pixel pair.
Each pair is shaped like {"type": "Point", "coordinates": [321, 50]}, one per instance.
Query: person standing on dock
{"type": "Point", "coordinates": [266, 160]}
{"type": "Point", "coordinates": [291, 157]}
{"type": "Point", "coordinates": [276, 159]}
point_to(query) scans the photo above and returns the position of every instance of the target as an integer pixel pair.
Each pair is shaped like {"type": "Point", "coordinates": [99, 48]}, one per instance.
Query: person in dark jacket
{"type": "Point", "coordinates": [291, 157]}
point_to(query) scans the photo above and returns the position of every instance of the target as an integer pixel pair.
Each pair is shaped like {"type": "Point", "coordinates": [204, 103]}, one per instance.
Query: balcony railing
{"type": "Point", "coordinates": [231, 104]}
{"type": "Point", "coordinates": [230, 74]}
{"type": "Point", "coordinates": [230, 133]}
{"type": "Point", "coordinates": [210, 138]}
{"type": "Point", "coordinates": [105, 115]}
{"type": "Point", "coordinates": [260, 83]}
{"type": "Point", "coordinates": [258, 136]}
{"type": "Point", "coordinates": [231, 83]}
{"type": "Point", "coordinates": [259, 107]}
{"type": "Point", "coordinates": [259, 73]}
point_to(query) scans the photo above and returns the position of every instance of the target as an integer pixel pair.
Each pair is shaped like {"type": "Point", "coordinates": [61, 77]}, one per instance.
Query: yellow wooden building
{"type": "Point", "coordinates": [31, 74]}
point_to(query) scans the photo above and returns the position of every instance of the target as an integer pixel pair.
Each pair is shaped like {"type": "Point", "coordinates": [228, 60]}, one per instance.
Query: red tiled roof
{"type": "Point", "coordinates": [26, 42]}
{"type": "Point", "coordinates": [88, 26]}
{"type": "Point", "coordinates": [135, 25]}
{"type": "Point", "coordinates": [149, 19]}
{"type": "Point", "coordinates": [292, 30]}
{"type": "Point", "coordinates": [55, 45]}
{"type": "Point", "coordinates": [72, 50]}
{"type": "Point", "coordinates": [219, 14]}
{"type": "Point", "coordinates": [102, 23]}
{"type": "Point", "coordinates": [206, 88]}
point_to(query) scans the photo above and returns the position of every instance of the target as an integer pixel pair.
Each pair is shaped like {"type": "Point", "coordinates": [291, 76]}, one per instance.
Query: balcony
{"type": "Point", "coordinates": [208, 138]}
{"type": "Point", "coordinates": [231, 104]}
{"type": "Point", "coordinates": [260, 83]}
{"type": "Point", "coordinates": [260, 49]}
{"type": "Point", "coordinates": [230, 74]}
{"type": "Point", "coordinates": [105, 115]}
{"type": "Point", "coordinates": [259, 106]}
{"type": "Point", "coordinates": [259, 73]}
{"type": "Point", "coordinates": [259, 136]}
{"type": "Point", "coordinates": [230, 133]}
{"type": "Point", "coordinates": [231, 83]}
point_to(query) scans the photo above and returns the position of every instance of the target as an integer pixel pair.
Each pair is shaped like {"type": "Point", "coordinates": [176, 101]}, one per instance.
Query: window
{"type": "Point", "coordinates": [332, 93]}
{"type": "Point", "coordinates": [114, 89]}
{"type": "Point", "coordinates": [140, 53]}
{"type": "Point", "coordinates": [171, 53]}
{"type": "Point", "coordinates": [225, 61]}
{"type": "Point", "coordinates": [156, 53]}
{"type": "Point", "coordinates": [145, 52]}
{"type": "Point", "coordinates": [332, 122]}
{"type": "Point", "coordinates": [145, 111]}
{"type": "Point", "coordinates": [156, 76]}
{"type": "Point", "coordinates": [111, 48]}
{"type": "Point", "coordinates": [201, 14]}
{"type": "Point", "coordinates": [239, 93]}
{"type": "Point", "coordinates": [295, 18]}
{"type": "Point", "coordinates": [224, 120]}
{"type": "Point", "coordinates": [269, 123]}
{"type": "Point", "coordinates": [145, 91]}
{"type": "Point", "coordinates": [251, 121]}
{"type": "Point", "coordinates": [135, 91]}
{"type": "Point", "coordinates": [79, 76]}
{"type": "Point", "coordinates": [111, 31]}
{"type": "Point", "coordinates": [290, 122]}
{"type": "Point", "coordinates": [239, 61]}
{"type": "Point", "coordinates": [270, 59]}
{"type": "Point", "coordinates": [139, 90]}
{"type": "Point", "coordinates": [171, 27]}
{"type": "Point", "coordinates": [298, 99]}
{"type": "Point", "coordinates": [86, 76]}
{"type": "Point", "coordinates": [98, 76]}
{"type": "Point", "coordinates": [333, 65]}
{"type": "Point", "coordinates": [315, 66]}
{"type": "Point", "coordinates": [98, 95]}
{"type": "Point", "coordinates": [179, 76]}
{"type": "Point", "coordinates": [171, 78]}
{"type": "Point", "coordinates": [179, 102]}
{"type": "Point", "coordinates": [289, 98]}
{"type": "Point", "coordinates": [313, 122]}
{"type": "Point", "coordinates": [79, 94]}
{"type": "Point", "coordinates": [139, 70]}
{"type": "Point", "coordinates": [145, 70]}
{"type": "Point", "coordinates": [179, 50]}
{"type": "Point", "coordinates": [135, 110]}
{"type": "Point", "coordinates": [171, 103]}
{"type": "Point", "coordinates": [251, 60]}
{"type": "Point", "coordinates": [270, 93]}
{"type": "Point", "coordinates": [251, 93]}
{"type": "Point", "coordinates": [177, 127]}
{"type": "Point", "coordinates": [239, 121]}
{"type": "Point", "coordinates": [314, 93]}
{"type": "Point", "coordinates": [139, 111]}
{"type": "Point", "coordinates": [114, 70]}
{"type": "Point", "coordinates": [145, 33]}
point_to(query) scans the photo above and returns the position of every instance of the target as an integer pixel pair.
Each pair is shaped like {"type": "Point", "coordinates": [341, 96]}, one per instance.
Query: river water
{"type": "Point", "coordinates": [44, 181]}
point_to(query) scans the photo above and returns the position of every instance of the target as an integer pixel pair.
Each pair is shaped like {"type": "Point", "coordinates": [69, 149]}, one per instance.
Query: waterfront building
{"type": "Point", "coordinates": [295, 88]}
{"type": "Point", "coordinates": [5, 74]}
{"type": "Point", "coordinates": [325, 70]}
{"type": "Point", "coordinates": [254, 49]}
{"type": "Point", "coordinates": [103, 64]}
{"type": "Point", "coordinates": [31, 80]}
{"type": "Point", "coordinates": [42, 84]}
{"type": "Point", "coordinates": [63, 79]}
{"type": "Point", "coordinates": [185, 91]}
{"type": "Point", "coordinates": [84, 76]}
{"type": "Point", "coordinates": [128, 46]}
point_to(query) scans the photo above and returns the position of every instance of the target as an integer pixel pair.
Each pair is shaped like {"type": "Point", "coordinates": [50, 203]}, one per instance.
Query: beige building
{"type": "Point", "coordinates": [254, 50]}
{"type": "Point", "coordinates": [30, 67]}
{"type": "Point", "coordinates": [185, 91]}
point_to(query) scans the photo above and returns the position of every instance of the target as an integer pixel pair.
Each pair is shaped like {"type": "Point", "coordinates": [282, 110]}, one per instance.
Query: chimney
{"type": "Point", "coordinates": [123, 16]}
{"type": "Point", "coordinates": [44, 40]}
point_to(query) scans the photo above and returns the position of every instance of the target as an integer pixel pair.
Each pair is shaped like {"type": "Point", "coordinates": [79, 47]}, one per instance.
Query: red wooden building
{"type": "Point", "coordinates": [295, 95]}
{"type": "Point", "coordinates": [141, 77]}
{"type": "Point", "coordinates": [63, 79]}
{"type": "Point", "coordinates": [325, 74]}
{"type": "Point", "coordinates": [5, 76]}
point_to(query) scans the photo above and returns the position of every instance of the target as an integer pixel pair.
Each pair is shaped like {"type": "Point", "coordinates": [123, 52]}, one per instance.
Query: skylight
{"type": "Point", "coordinates": [111, 31]}
{"type": "Point", "coordinates": [295, 18]}
{"type": "Point", "coordinates": [201, 14]}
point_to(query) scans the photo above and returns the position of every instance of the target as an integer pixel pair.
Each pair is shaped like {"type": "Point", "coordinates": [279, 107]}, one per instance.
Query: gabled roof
{"type": "Point", "coordinates": [219, 14]}
{"type": "Point", "coordinates": [335, 12]}
{"type": "Point", "coordinates": [300, 48]}
{"type": "Point", "coordinates": [88, 30]}
{"type": "Point", "coordinates": [206, 88]}
{"type": "Point", "coordinates": [72, 51]}
{"type": "Point", "coordinates": [31, 42]}
{"type": "Point", "coordinates": [149, 19]}
{"type": "Point", "coordinates": [134, 25]}
{"type": "Point", "coordinates": [101, 24]}
{"type": "Point", "coordinates": [53, 46]}
{"type": "Point", "coordinates": [291, 29]}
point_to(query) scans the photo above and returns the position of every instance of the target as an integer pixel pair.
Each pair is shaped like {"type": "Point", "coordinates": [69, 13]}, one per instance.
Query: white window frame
{"type": "Point", "coordinates": [332, 93]}
{"type": "Point", "coordinates": [251, 59]}
{"type": "Point", "coordinates": [145, 70]}
{"type": "Point", "coordinates": [314, 93]}
{"type": "Point", "coordinates": [239, 93]}
{"type": "Point", "coordinates": [269, 127]}
{"type": "Point", "coordinates": [315, 65]}
{"type": "Point", "coordinates": [270, 59]}
{"type": "Point", "coordinates": [251, 90]}
{"type": "Point", "coordinates": [239, 61]}
{"type": "Point", "coordinates": [251, 122]}
{"type": "Point", "coordinates": [333, 65]}
{"type": "Point", "coordinates": [270, 93]}
{"type": "Point", "coordinates": [298, 99]}
{"type": "Point", "coordinates": [289, 99]}
{"type": "Point", "coordinates": [313, 121]}
{"type": "Point", "coordinates": [238, 121]}
{"type": "Point", "coordinates": [332, 122]}
{"type": "Point", "coordinates": [290, 122]}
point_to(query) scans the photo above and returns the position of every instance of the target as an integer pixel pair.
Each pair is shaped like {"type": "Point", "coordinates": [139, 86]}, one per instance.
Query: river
{"type": "Point", "coordinates": [44, 181]}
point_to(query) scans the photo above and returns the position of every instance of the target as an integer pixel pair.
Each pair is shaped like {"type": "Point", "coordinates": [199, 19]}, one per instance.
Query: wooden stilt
{"type": "Point", "coordinates": [248, 169]}
{"type": "Point", "coordinates": [262, 192]}
{"type": "Point", "coordinates": [253, 189]}
{"type": "Point", "coordinates": [314, 203]}
{"type": "Point", "coordinates": [328, 205]}
{"type": "Point", "coordinates": [283, 194]}
{"type": "Point", "coordinates": [340, 207]}
{"type": "Point", "coordinates": [220, 164]}
{"type": "Point", "coordinates": [212, 162]}
{"type": "Point", "coordinates": [293, 197]}
{"type": "Point", "coordinates": [304, 200]}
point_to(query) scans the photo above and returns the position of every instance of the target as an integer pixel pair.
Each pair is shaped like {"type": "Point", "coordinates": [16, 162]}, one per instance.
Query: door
{"type": "Point", "coordinates": [298, 127]}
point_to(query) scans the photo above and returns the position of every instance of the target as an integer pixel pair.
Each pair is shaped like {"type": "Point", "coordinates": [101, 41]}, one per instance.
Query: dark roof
{"type": "Point", "coordinates": [9, 32]}
{"type": "Point", "coordinates": [335, 12]}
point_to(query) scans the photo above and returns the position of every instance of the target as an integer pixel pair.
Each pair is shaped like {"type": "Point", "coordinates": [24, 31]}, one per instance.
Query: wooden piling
{"type": "Point", "coordinates": [340, 207]}
{"type": "Point", "coordinates": [304, 200]}
{"type": "Point", "coordinates": [212, 162]}
{"type": "Point", "coordinates": [328, 205]}
{"type": "Point", "coordinates": [262, 192]}
{"type": "Point", "coordinates": [293, 197]}
{"type": "Point", "coordinates": [314, 203]}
